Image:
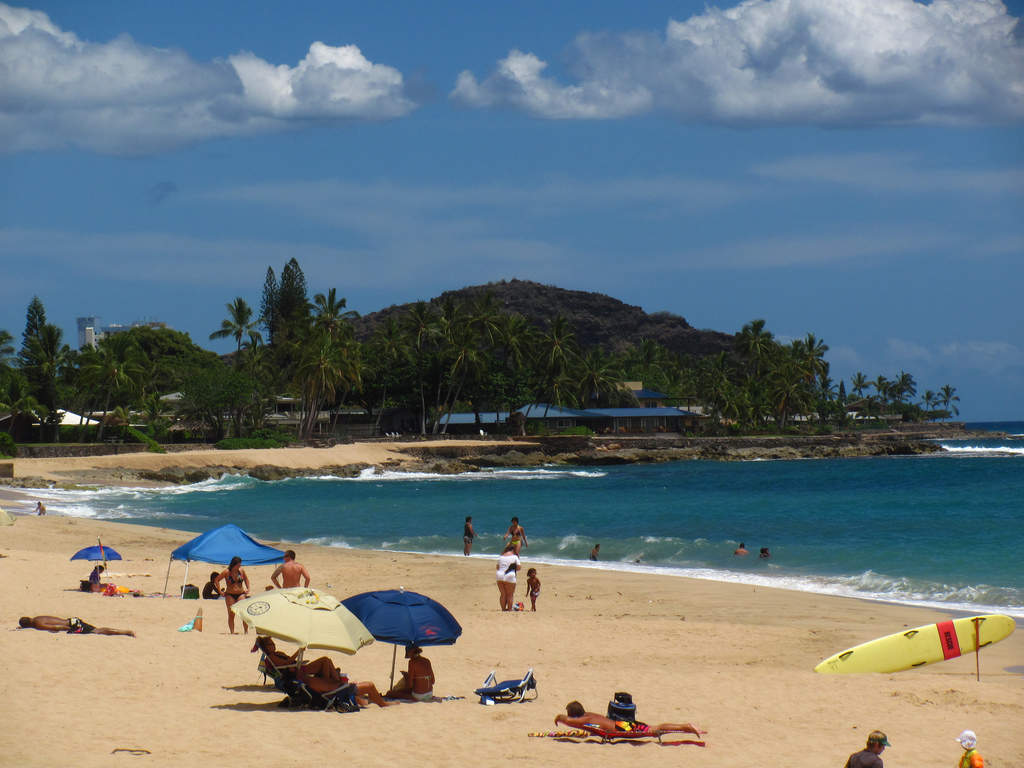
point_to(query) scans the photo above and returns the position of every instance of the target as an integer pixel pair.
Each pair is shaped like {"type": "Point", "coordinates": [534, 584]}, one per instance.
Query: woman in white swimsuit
{"type": "Point", "coordinates": [508, 564]}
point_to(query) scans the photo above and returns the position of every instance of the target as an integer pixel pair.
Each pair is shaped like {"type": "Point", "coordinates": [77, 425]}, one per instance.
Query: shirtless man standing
{"type": "Point", "coordinates": [73, 626]}
{"type": "Point", "coordinates": [290, 572]}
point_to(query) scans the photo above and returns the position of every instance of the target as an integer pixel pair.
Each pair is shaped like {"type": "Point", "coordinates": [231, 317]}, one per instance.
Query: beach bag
{"type": "Point", "coordinates": [621, 707]}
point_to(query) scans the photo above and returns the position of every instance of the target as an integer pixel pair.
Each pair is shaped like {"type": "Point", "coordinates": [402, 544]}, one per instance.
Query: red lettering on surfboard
{"type": "Point", "coordinates": [948, 639]}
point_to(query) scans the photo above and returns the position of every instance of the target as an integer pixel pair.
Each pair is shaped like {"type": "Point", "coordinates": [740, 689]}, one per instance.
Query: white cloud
{"type": "Point", "coordinates": [518, 82]}
{"type": "Point", "coordinates": [123, 97]}
{"type": "Point", "coordinates": [988, 357]}
{"type": "Point", "coordinates": [908, 352]}
{"type": "Point", "coordinates": [828, 62]}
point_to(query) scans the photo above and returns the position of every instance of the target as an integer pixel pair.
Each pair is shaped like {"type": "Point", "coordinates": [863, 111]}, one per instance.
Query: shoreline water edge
{"type": "Point", "coordinates": [654, 549]}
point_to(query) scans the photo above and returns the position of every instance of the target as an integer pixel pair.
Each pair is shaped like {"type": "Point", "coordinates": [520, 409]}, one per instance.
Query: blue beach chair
{"type": "Point", "coordinates": [508, 691]}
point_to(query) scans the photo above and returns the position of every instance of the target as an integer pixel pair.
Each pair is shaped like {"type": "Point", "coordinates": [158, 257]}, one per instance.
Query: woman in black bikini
{"type": "Point", "coordinates": [236, 587]}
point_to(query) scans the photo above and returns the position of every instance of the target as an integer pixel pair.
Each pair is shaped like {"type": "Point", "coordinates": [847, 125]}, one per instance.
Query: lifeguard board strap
{"type": "Point", "coordinates": [948, 639]}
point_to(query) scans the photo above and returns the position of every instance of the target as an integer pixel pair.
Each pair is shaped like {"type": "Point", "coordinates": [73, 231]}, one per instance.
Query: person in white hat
{"type": "Point", "coordinates": [870, 756]}
{"type": "Point", "coordinates": [972, 757]}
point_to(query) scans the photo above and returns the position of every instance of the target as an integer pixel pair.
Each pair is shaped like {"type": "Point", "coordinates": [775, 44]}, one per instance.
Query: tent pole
{"type": "Point", "coordinates": [182, 593]}
{"type": "Point", "coordinates": [167, 577]}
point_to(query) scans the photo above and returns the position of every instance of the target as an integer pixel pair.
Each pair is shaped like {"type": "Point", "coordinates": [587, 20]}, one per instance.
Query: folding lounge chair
{"type": "Point", "coordinates": [508, 691]}
{"type": "Point", "coordinates": [341, 699]}
{"type": "Point", "coordinates": [284, 679]}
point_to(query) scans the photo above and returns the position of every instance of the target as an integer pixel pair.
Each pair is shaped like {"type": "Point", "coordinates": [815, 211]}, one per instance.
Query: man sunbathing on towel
{"type": "Point", "coordinates": [73, 626]}
{"type": "Point", "coordinates": [577, 717]}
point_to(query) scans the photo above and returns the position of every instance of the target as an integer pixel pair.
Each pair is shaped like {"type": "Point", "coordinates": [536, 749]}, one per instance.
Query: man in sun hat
{"type": "Point", "coordinates": [971, 757]}
{"type": "Point", "coordinates": [869, 756]}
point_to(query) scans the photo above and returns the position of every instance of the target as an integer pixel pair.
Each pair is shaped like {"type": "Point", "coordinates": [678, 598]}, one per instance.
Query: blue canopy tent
{"type": "Point", "coordinates": [219, 546]}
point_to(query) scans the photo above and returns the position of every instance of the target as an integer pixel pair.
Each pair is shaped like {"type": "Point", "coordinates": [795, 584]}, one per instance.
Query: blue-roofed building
{"type": "Point", "coordinates": [603, 421]}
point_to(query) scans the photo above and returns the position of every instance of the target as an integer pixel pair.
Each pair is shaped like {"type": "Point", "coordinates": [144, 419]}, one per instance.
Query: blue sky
{"type": "Point", "coordinates": [853, 168]}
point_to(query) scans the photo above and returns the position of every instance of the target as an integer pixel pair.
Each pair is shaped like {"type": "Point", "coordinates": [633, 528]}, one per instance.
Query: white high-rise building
{"type": "Point", "coordinates": [88, 328]}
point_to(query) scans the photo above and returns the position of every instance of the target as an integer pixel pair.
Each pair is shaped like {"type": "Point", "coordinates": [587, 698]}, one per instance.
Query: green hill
{"type": "Point", "coordinates": [598, 320]}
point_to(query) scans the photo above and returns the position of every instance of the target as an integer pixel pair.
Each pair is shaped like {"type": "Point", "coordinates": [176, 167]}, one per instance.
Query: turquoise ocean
{"type": "Point", "coordinates": [942, 530]}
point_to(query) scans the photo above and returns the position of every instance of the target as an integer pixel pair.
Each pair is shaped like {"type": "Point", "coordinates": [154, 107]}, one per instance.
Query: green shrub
{"type": "Point", "coordinates": [151, 445]}
{"type": "Point", "coordinates": [580, 430]}
{"type": "Point", "coordinates": [7, 446]}
{"type": "Point", "coordinates": [239, 443]}
{"type": "Point", "coordinates": [280, 436]}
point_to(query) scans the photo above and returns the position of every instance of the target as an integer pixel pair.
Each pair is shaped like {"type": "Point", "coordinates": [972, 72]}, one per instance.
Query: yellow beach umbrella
{"type": "Point", "coordinates": [304, 616]}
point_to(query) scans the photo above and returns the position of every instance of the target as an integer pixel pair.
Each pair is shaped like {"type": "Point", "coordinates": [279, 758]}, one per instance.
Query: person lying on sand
{"type": "Point", "coordinates": [73, 626]}
{"type": "Point", "coordinates": [576, 716]}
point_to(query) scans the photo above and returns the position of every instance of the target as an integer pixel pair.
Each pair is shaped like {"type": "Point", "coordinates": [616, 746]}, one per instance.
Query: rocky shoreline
{"type": "Point", "coordinates": [454, 457]}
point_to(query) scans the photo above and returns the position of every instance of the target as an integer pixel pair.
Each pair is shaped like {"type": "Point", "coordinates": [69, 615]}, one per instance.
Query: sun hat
{"type": "Point", "coordinates": [968, 739]}
{"type": "Point", "coordinates": [877, 737]}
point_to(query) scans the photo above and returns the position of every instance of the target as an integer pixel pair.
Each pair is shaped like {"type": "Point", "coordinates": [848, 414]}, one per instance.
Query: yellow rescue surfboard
{"type": "Point", "coordinates": [920, 646]}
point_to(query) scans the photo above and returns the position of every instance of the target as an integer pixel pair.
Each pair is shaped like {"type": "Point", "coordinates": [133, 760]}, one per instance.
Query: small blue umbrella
{"type": "Point", "coordinates": [97, 552]}
{"type": "Point", "coordinates": [404, 618]}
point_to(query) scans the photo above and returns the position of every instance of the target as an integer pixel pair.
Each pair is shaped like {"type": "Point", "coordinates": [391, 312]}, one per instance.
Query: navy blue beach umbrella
{"type": "Point", "coordinates": [97, 552]}
{"type": "Point", "coordinates": [404, 618]}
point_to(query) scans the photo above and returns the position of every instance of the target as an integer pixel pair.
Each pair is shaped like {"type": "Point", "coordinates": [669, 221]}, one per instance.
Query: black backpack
{"type": "Point", "coordinates": [622, 707]}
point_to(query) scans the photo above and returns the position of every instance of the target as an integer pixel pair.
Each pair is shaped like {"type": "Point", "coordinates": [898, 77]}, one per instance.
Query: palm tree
{"type": "Point", "coordinates": [648, 360]}
{"type": "Point", "coordinates": [330, 315]}
{"type": "Point", "coordinates": [325, 367]}
{"type": "Point", "coordinates": [858, 383]}
{"type": "Point", "coordinates": [904, 386]}
{"type": "Point", "coordinates": [929, 399]}
{"type": "Point", "coordinates": [788, 386]}
{"type": "Point", "coordinates": [811, 357]}
{"type": "Point", "coordinates": [154, 411]}
{"type": "Point", "coordinates": [239, 323]}
{"type": "Point", "coordinates": [17, 398]}
{"type": "Point", "coordinates": [421, 329]}
{"type": "Point", "coordinates": [882, 389]}
{"type": "Point", "coordinates": [44, 358]}
{"type": "Point", "coordinates": [386, 353]}
{"type": "Point", "coordinates": [949, 396]}
{"type": "Point", "coordinates": [117, 364]}
{"type": "Point", "coordinates": [755, 344]}
{"type": "Point", "coordinates": [467, 366]}
{"type": "Point", "coordinates": [515, 337]}
{"type": "Point", "coordinates": [598, 374]}
{"type": "Point", "coordinates": [556, 352]}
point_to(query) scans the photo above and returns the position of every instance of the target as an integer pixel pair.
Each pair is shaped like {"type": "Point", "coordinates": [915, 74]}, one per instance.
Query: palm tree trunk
{"type": "Point", "coordinates": [103, 419]}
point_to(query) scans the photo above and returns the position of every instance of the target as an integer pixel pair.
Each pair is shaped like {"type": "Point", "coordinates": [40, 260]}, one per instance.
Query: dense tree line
{"type": "Point", "coordinates": [428, 360]}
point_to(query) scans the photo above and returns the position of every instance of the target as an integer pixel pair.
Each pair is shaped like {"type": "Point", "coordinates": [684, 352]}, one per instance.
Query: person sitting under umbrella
{"type": "Point", "coordinates": [95, 584]}
{"type": "Point", "coordinates": [320, 674]}
{"type": "Point", "coordinates": [417, 684]}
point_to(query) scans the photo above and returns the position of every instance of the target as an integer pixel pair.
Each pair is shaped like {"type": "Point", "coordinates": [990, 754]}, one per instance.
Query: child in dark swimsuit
{"type": "Point", "coordinates": [533, 586]}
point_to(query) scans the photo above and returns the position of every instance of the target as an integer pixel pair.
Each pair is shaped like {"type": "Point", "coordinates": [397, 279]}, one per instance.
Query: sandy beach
{"type": "Point", "coordinates": [733, 659]}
